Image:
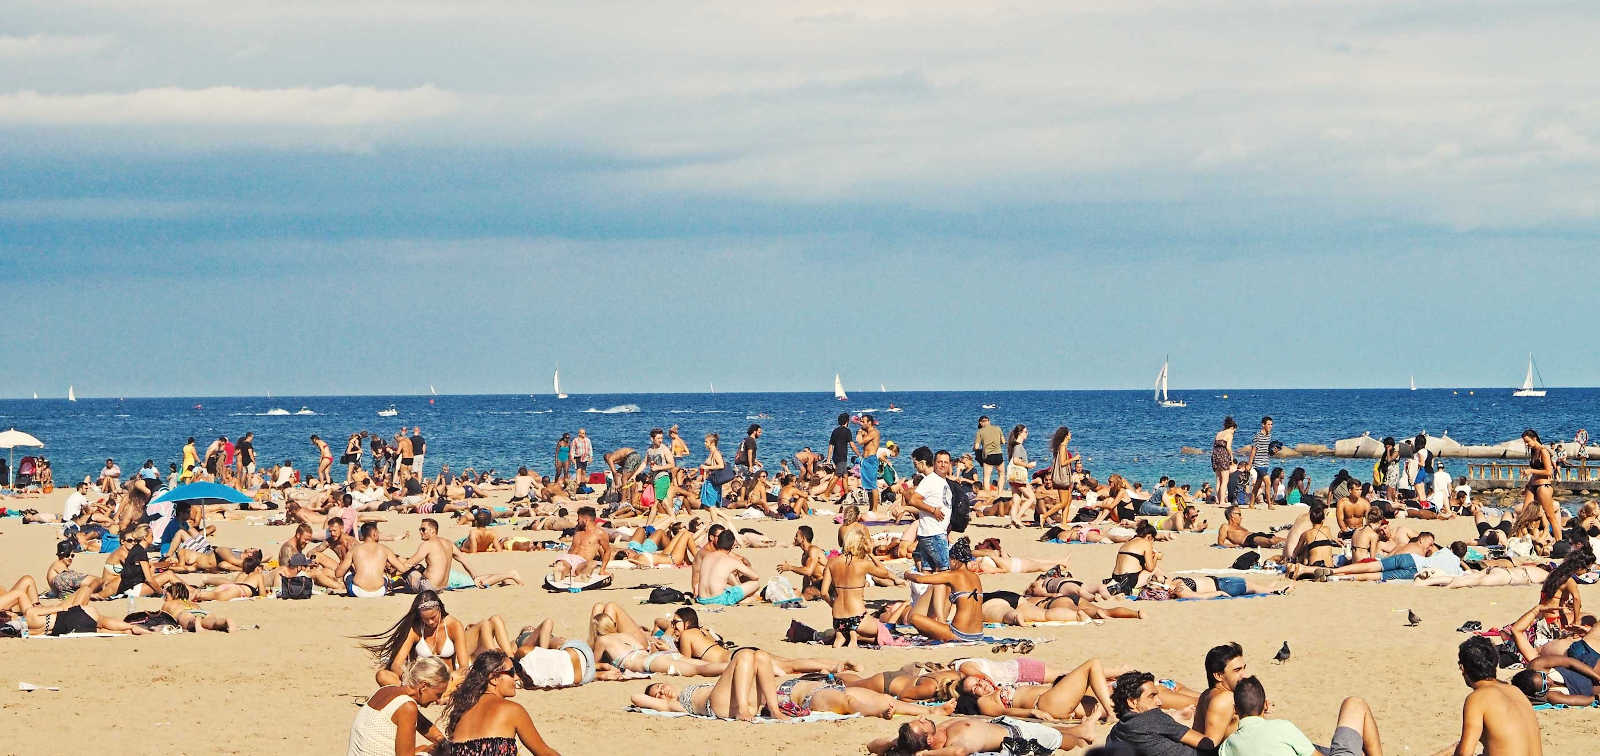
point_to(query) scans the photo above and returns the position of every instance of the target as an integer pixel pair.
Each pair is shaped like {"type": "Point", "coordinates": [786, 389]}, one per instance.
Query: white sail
{"type": "Point", "coordinates": [1413, 383]}
{"type": "Point", "coordinates": [713, 387]}
{"type": "Point", "coordinates": [838, 388]}
{"type": "Point", "coordinates": [72, 396]}
{"type": "Point", "coordinates": [36, 395]}
{"type": "Point", "coordinates": [432, 390]}
{"type": "Point", "coordinates": [1161, 389]}
{"type": "Point", "coordinates": [882, 389]}
{"type": "Point", "coordinates": [1527, 389]}
{"type": "Point", "coordinates": [557, 382]}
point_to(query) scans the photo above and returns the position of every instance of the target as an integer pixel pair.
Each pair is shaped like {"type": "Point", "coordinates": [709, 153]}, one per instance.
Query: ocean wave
{"type": "Point", "coordinates": [621, 409]}
{"type": "Point", "coordinates": [715, 412]}
{"type": "Point", "coordinates": [540, 412]}
{"type": "Point", "coordinates": [680, 412]}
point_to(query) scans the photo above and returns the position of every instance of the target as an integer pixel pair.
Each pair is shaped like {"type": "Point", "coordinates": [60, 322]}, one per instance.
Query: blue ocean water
{"type": "Point", "coordinates": [1117, 431]}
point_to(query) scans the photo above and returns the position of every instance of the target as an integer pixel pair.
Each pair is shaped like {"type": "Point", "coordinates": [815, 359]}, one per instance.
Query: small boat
{"type": "Point", "coordinates": [1161, 390]}
{"type": "Point", "coordinates": [713, 388]}
{"type": "Point", "coordinates": [838, 389]}
{"type": "Point", "coordinates": [304, 411]}
{"type": "Point", "coordinates": [557, 382]}
{"type": "Point", "coordinates": [390, 412]}
{"type": "Point", "coordinates": [276, 411]}
{"type": "Point", "coordinates": [893, 408]}
{"type": "Point", "coordinates": [72, 396]}
{"type": "Point", "coordinates": [432, 390]}
{"type": "Point", "coordinates": [990, 406]}
{"type": "Point", "coordinates": [1527, 389]}
{"type": "Point", "coordinates": [1413, 383]}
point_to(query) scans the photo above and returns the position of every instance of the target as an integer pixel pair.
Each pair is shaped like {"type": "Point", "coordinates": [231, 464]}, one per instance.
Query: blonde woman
{"type": "Point", "coordinates": [388, 723]}
{"type": "Point", "coordinates": [845, 578]}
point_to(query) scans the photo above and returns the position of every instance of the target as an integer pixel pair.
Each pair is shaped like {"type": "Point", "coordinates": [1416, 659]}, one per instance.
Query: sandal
{"type": "Point", "coordinates": [793, 709]}
{"type": "Point", "coordinates": [1470, 626]}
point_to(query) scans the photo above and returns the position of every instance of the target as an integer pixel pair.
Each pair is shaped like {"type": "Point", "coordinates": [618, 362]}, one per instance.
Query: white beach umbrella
{"type": "Point", "coordinates": [13, 438]}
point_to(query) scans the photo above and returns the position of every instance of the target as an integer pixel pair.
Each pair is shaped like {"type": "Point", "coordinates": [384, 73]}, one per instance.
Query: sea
{"type": "Point", "coordinates": [1116, 431]}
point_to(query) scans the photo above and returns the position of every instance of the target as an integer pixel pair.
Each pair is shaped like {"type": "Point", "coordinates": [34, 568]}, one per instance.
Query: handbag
{"type": "Point", "coordinates": [721, 476]}
{"type": "Point", "coordinates": [1016, 473]}
{"type": "Point", "coordinates": [1061, 476]}
{"type": "Point", "coordinates": [296, 587]}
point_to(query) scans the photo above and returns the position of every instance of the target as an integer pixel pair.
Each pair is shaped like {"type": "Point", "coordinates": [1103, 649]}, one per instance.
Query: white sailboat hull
{"type": "Point", "coordinates": [1528, 392]}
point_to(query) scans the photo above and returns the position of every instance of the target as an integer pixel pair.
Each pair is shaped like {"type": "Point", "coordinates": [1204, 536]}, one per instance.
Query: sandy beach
{"type": "Point", "coordinates": [289, 681]}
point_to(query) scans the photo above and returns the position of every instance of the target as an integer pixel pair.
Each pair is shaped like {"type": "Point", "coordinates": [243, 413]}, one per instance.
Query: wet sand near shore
{"type": "Point", "coordinates": [291, 685]}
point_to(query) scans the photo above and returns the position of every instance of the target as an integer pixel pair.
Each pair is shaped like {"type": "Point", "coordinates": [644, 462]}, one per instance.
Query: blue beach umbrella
{"type": "Point", "coordinates": [199, 491]}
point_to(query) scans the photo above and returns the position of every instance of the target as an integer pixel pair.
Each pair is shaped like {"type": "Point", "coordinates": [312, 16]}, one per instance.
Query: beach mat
{"type": "Point", "coordinates": [997, 626]}
{"type": "Point", "coordinates": [69, 636]}
{"type": "Point", "coordinates": [815, 716]}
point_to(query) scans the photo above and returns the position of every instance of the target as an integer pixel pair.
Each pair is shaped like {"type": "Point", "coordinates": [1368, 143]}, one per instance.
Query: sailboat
{"type": "Point", "coordinates": [882, 389]}
{"type": "Point", "coordinates": [36, 395]}
{"type": "Point", "coordinates": [432, 390]}
{"type": "Point", "coordinates": [713, 388]}
{"type": "Point", "coordinates": [559, 395]}
{"type": "Point", "coordinates": [838, 388]}
{"type": "Point", "coordinates": [1413, 383]}
{"type": "Point", "coordinates": [72, 396]}
{"type": "Point", "coordinates": [1161, 389]}
{"type": "Point", "coordinates": [1527, 389]}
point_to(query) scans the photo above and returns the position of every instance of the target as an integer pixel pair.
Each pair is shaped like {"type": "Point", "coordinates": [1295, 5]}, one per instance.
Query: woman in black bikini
{"type": "Point", "coordinates": [1318, 547]}
{"type": "Point", "coordinates": [1060, 583]}
{"type": "Point", "coordinates": [845, 579]}
{"type": "Point", "coordinates": [1136, 561]}
{"type": "Point", "coordinates": [251, 582]}
{"type": "Point", "coordinates": [483, 720]}
{"type": "Point", "coordinates": [917, 681]}
{"type": "Point", "coordinates": [696, 642]}
{"type": "Point", "coordinates": [965, 592]}
{"type": "Point", "coordinates": [1541, 471]}
{"type": "Point", "coordinates": [352, 456]}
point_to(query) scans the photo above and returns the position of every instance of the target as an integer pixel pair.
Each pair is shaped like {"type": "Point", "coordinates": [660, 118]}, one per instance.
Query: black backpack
{"type": "Point", "coordinates": [297, 587]}
{"type": "Point", "coordinates": [667, 596]}
{"type": "Point", "coordinates": [961, 501]}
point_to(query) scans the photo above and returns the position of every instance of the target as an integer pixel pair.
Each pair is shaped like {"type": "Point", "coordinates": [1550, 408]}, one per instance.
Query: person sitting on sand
{"type": "Point", "coordinates": [128, 570]}
{"type": "Point", "coordinates": [1355, 731]}
{"type": "Point", "coordinates": [812, 563]}
{"type": "Point", "coordinates": [590, 551]}
{"type": "Point", "coordinates": [1061, 699]}
{"type": "Point", "coordinates": [1142, 724]}
{"type": "Point", "coordinates": [480, 538]}
{"type": "Point", "coordinates": [1407, 561]}
{"type": "Point", "coordinates": [959, 735]}
{"type": "Point", "coordinates": [1317, 547]}
{"type": "Point", "coordinates": [427, 629]}
{"type": "Point", "coordinates": [1136, 562]}
{"type": "Point", "coordinates": [959, 586]}
{"type": "Point", "coordinates": [744, 690]}
{"type": "Point", "coordinates": [1496, 717]}
{"type": "Point", "coordinates": [1213, 712]}
{"type": "Point", "coordinates": [62, 579]}
{"type": "Point", "coordinates": [845, 579]}
{"type": "Point", "coordinates": [722, 578]}
{"type": "Point", "coordinates": [1233, 532]}
{"type": "Point", "coordinates": [482, 720]}
{"type": "Point", "coordinates": [366, 566]}
{"type": "Point", "coordinates": [389, 721]}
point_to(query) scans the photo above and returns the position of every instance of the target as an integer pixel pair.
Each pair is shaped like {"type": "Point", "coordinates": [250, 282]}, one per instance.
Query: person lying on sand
{"type": "Point", "coordinates": [625, 644]}
{"type": "Point", "coordinates": [1010, 608]}
{"type": "Point", "coordinates": [1061, 583]}
{"type": "Point", "coordinates": [699, 643]}
{"type": "Point", "coordinates": [976, 735]}
{"type": "Point", "coordinates": [1234, 533]}
{"type": "Point", "coordinates": [745, 689]}
{"type": "Point", "coordinates": [546, 661]}
{"type": "Point", "coordinates": [1143, 725]}
{"type": "Point", "coordinates": [817, 693]}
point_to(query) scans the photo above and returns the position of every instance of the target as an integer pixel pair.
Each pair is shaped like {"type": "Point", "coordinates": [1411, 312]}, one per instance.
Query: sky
{"type": "Point", "coordinates": [369, 197]}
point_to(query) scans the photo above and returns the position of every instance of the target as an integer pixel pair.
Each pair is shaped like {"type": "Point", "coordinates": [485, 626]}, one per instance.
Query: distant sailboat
{"type": "Point", "coordinates": [1527, 389]}
{"type": "Point", "coordinates": [882, 389]}
{"type": "Point", "coordinates": [713, 388]}
{"type": "Point", "coordinates": [1413, 383]}
{"type": "Point", "coordinates": [72, 396]}
{"type": "Point", "coordinates": [432, 390]}
{"type": "Point", "coordinates": [36, 395]}
{"type": "Point", "coordinates": [1161, 390]}
{"type": "Point", "coordinates": [557, 381]}
{"type": "Point", "coordinates": [838, 388]}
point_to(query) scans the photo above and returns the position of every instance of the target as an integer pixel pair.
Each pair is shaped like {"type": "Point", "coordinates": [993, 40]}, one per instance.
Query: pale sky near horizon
{"type": "Point", "coordinates": [367, 197]}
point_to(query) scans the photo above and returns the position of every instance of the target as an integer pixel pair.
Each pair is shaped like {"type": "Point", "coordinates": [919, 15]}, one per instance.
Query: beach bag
{"type": "Point", "coordinates": [667, 596]}
{"type": "Point", "coordinates": [721, 476]}
{"type": "Point", "coordinates": [1016, 473]}
{"type": "Point", "coordinates": [1247, 561]}
{"type": "Point", "coordinates": [296, 587]}
{"type": "Point", "coordinates": [961, 500]}
{"type": "Point", "coordinates": [1060, 476]}
{"type": "Point", "coordinates": [1154, 592]}
{"type": "Point", "coordinates": [779, 589]}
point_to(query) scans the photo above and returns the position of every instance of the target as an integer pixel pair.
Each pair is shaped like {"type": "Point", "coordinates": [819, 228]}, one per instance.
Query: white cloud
{"type": "Point", "coordinates": [50, 45]}
{"type": "Point", "coordinates": [323, 106]}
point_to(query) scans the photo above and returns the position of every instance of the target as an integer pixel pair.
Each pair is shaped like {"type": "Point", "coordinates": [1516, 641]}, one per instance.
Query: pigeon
{"type": "Point", "coordinates": [1283, 653]}
{"type": "Point", "coordinates": [1412, 620]}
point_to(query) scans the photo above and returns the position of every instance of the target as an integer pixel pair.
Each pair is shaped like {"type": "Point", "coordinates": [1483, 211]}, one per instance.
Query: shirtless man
{"type": "Point", "coordinates": [295, 547]}
{"type": "Point", "coordinates": [1213, 713]}
{"type": "Point", "coordinates": [335, 545]}
{"type": "Point", "coordinates": [404, 457]}
{"type": "Point", "coordinates": [812, 562]}
{"type": "Point", "coordinates": [1234, 533]}
{"type": "Point", "coordinates": [436, 556]}
{"type": "Point", "coordinates": [1495, 715]}
{"type": "Point", "coordinates": [365, 566]}
{"type": "Point", "coordinates": [719, 575]}
{"type": "Point", "coordinates": [623, 464]}
{"type": "Point", "coordinates": [964, 735]}
{"type": "Point", "coordinates": [591, 547]}
{"type": "Point", "coordinates": [1352, 510]}
{"type": "Point", "coordinates": [866, 448]}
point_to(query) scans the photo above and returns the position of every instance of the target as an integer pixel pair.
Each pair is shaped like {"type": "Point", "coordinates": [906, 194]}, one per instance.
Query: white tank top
{"type": "Point", "coordinates": [373, 731]}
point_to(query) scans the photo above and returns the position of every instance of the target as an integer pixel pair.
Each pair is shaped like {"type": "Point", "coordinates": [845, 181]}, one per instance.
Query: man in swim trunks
{"type": "Point", "coordinates": [812, 562]}
{"type": "Point", "coordinates": [960, 735]}
{"type": "Point", "coordinates": [866, 447]}
{"type": "Point", "coordinates": [435, 555]}
{"type": "Point", "coordinates": [720, 572]}
{"type": "Point", "coordinates": [591, 548]}
{"type": "Point", "coordinates": [1404, 564]}
{"type": "Point", "coordinates": [365, 567]}
{"type": "Point", "coordinates": [661, 462]}
{"type": "Point", "coordinates": [1234, 533]}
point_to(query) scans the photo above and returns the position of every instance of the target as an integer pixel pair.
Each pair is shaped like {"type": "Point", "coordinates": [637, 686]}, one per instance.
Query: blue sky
{"type": "Point", "coordinates": [370, 197]}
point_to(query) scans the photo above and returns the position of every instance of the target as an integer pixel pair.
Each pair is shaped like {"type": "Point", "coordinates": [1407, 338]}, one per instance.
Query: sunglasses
{"type": "Point", "coordinates": [506, 673]}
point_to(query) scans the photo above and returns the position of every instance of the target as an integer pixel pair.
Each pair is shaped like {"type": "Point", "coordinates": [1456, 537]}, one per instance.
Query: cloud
{"type": "Point", "coordinates": [50, 45]}
{"type": "Point", "coordinates": [323, 106]}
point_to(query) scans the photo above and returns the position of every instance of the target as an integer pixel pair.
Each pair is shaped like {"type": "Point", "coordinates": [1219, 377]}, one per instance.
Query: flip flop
{"type": "Point", "coordinates": [1470, 626]}
{"type": "Point", "coordinates": [793, 709]}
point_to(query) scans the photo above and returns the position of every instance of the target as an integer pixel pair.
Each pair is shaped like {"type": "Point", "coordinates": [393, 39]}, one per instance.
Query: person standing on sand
{"type": "Point", "coordinates": [1261, 459]}
{"type": "Point", "coordinates": [324, 460]}
{"type": "Point", "coordinates": [680, 448]}
{"type": "Point", "coordinates": [988, 446]}
{"type": "Point", "coordinates": [839, 444]}
{"type": "Point", "coordinates": [745, 458]}
{"type": "Point", "coordinates": [1495, 714]}
{"type": "Point", "coordinates": [866, 447]}
{"type": "Point", "coordinates": [582, 454]}
{"type": "Point", "coordinates": [245, 455]}
{"type": "Point", "coordinates": [419, 450]}
{"type": "Point", "coordinates": [403, 454]}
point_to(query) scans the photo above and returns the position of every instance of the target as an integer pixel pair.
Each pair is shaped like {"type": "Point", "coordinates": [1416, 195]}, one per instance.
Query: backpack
{"type": "Point", "coordinates": [1247, 561]}
{"type": "Point", "coordinates": [961, 500]}
{"type": "Point", "coordinates": [667, 596]}
{"type": "Point", "coordinates": [296, 587]}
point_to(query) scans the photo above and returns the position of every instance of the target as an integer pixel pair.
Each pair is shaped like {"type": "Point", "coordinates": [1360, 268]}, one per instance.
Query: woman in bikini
{"type": "Point", "coordinates": [745, 689]}
{"type": "Point", "coordinates": [1015, 564]}
{"type": "Point", "coordinates": [427, 629]}
{"type": "Point", "coordinates": [250, 582]}
{"type": "Point", "coordinates": [813, 693]}
{"type": "Point", "coordinates": [62, 579]}
{"type": "Point", "coordinates": [483, 720]}
{"type": "Point", "coordinates": [917, 681]}
{"type": "Point", "coordinates": [352, 456]}
{"type": "Point", "coordinates": [625, 644]}
{"type": "Point", "coordinates": [696, 642]}
{"type": "Point", "coordinates": [1008, 608]}
{"type": "Point", "coordinates": [1220, 586]}
{"type": "Point", "coordinates": [1222, 454]}
{"type": "Point", "coordinates": [845, 579]}
{"type": "Point", "coordinates": [188, 614]}
{"type": "Point", "coordinates": [1136, 561]}
{"type": "Point", "coordinates": [1318, 546]}
{"type": "Point", "coordinates": [1541, 471]}
{"type": "Point", "coordinates": [1061, 583]}
{"type": "Point", "coordinates": [324, 460]}
{"type": "Point", "coordinates": [1061, 699]}
{"type": "Point", "coordinates": [959, 586]}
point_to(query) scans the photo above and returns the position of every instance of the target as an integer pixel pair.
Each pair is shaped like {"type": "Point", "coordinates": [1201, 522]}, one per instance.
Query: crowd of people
{"type": "Point", "coordinates": [656, 508]}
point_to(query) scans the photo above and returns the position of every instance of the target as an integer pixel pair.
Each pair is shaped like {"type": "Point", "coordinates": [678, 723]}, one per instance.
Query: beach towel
{"type": "Point", "coordinates": [1055, 623]}
{"type": "Point", "coordinates": [79, 635]}
{"type": "Point", "coordinates": [1217, 598]}
{"type": "Point", "coordinates": [1550, 706]}
{"type": "Point", "coordinates": [815, 716]}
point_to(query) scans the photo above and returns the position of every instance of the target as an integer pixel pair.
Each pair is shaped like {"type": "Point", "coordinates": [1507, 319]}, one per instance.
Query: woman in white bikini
{"type": "Point", "coordinates": [428, 630]}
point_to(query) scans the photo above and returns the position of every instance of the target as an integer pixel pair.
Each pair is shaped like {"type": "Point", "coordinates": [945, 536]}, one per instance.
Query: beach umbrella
{"type": "Point", "coordinates": [10, 440]}
{"type": "Point", "coordinates": [199, 491]}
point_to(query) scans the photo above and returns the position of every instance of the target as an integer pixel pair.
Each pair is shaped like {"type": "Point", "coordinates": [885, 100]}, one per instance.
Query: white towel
{"type": "Point", "coordinates": [815, 716]}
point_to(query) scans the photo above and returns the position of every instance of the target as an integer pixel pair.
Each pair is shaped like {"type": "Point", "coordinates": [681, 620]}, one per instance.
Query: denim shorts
{"type": "Point", "coordinates": [933, 553]}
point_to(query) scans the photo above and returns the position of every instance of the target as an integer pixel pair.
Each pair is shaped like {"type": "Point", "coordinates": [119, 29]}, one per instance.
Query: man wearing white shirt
{"type": "Point", "coordinates": [931, 498]}
{"type": "Point", "coordinates": [75, 503]}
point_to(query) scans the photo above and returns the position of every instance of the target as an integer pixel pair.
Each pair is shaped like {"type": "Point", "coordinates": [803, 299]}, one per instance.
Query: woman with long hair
{"type": "Point", "coordinates": [1541, 471]}
{"type": "Point", "coordinates": [1062, 476]}
{"type": "Point", "coordinates": [482, 720]}
{"type": "Point", "coordinates": [1018, 469]}
{"type": "Point", "coordinates": [388, 723]}
{"type": "Point", "coordinates": [426, 630]}
{"type": "Point", "coordinates": [1298, 488]}
{"type": "Point", "coordinates": [1222, 455]}
{"type": "Point", "coordinates": [845, 578]}
{"type": "Point", "coordinates": [959, 586]}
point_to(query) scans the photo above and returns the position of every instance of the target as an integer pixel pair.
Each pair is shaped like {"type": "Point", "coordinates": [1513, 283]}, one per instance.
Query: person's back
{"type": "Point", "coordinates": [1510, 728]}
{"type": "Point", "coordinates": [715, 568]}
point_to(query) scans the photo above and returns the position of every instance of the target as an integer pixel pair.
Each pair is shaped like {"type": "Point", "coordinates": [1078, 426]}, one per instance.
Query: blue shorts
{"type": "Point", "coordinates": [460, 580]}
{"type": "Point", "coordinates": [932, 553]}
{"type": "Point", "coordinates": [1582, 651]}
{"type": "Point", "coordinates": [869, 472]}
{"type": "Point", "coordinates": [1401, 567]}
{"type": "Point", "coordinates": [645, 547]}
{"type": "Point", "coordinates": [729, 596]}
{"type": "Point", "coordinates": [1232, 586]}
